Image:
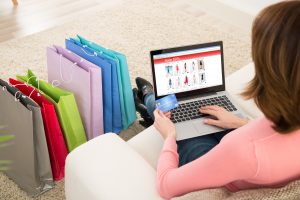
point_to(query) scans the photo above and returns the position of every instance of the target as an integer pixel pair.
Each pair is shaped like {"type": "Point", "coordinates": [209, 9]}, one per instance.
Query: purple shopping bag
{"type": "Point", "coordinates": [71, 72]}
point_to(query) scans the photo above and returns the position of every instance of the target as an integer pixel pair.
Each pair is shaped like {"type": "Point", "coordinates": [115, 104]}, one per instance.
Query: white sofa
{"type": "Point", "coordinates": [109, 168]}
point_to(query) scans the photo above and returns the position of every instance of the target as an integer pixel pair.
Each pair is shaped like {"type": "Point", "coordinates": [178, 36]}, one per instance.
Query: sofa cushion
{"type": "Point", "coordinates": [236, 83]}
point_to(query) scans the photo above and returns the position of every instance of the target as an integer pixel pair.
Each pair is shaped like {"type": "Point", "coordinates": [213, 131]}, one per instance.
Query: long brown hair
{"type": "Point", "coordinates": [275, 87]}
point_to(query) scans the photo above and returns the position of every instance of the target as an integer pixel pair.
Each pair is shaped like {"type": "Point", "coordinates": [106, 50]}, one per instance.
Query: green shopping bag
{"type": "Point", "coordinates": [66, 109]}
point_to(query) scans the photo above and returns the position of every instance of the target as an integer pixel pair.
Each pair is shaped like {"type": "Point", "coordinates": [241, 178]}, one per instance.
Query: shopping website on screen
{"type": "Point", "coordinates": [188, 70]}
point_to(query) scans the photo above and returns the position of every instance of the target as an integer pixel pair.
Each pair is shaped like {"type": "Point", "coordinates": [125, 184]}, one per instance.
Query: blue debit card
{"type": "Point", "coordinates": [167, 103]}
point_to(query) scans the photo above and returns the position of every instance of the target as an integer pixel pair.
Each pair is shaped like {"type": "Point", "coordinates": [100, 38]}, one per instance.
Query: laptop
{"type": "Point", "coordinates": [195, 74]}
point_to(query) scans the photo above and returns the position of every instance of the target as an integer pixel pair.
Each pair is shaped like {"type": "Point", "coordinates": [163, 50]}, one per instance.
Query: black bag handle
{"type": "Point", "coordinates": [19, 96]}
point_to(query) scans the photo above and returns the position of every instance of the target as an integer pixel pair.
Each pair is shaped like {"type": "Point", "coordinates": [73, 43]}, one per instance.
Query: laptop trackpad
{"type": "Point", "coordinates": [194, 128]}
{"type": "Point", "coordinates": [205, 129]}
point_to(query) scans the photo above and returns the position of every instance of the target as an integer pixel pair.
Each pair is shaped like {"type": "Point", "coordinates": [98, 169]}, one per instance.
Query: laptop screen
{"type": "Point", "coordinates": [186, 70]}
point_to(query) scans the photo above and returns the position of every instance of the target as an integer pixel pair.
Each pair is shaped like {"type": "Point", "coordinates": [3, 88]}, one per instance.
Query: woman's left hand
{"type": "Point", "coordinates": [164, 125]}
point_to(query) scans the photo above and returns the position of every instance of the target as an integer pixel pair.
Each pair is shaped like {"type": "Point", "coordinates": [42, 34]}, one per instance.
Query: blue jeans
{"type": "Point", "coordinates": [149, 101]}
{"type": "Point", "coordinates": [193, 148]}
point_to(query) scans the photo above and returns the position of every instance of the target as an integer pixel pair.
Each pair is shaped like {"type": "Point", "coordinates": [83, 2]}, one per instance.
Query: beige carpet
{"type": "Point", "coordinates": [133, 27]}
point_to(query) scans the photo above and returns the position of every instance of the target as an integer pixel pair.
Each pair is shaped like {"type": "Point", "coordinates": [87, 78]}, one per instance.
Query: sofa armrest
{"type": "Point", "coordinates": [108, 168]}
{"type": "Point", "coordinates": [148, 144]}
{"type": "Point", "coordinates": [236, 83]}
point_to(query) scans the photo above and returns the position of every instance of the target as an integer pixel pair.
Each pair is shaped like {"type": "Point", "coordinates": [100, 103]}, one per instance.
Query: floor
{"type": "Point", "coordinates": [239, 13]}
{"type": "Point", "coordinates": [32, 16]}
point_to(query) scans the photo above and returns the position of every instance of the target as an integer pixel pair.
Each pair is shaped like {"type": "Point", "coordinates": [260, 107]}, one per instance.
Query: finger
{"type": "Point", "coordinates": [212, 107]}
{"type": "Point", "coordinates": [209, 111]}
{"type": "Point", "coordinates": [219, 107]}
{"type": "Point", "coordinates": [168, 114]}
{"type": "Point", "coordinates": [156, 114]}
{"type": "Point", "coordinates": [161, 114]}
{"type": "Point", "coordinates": [216, 107]}
{"type": "Point", "coordinates": [212, 122]}
{"type": "Point", "coordinates": [156, 126]}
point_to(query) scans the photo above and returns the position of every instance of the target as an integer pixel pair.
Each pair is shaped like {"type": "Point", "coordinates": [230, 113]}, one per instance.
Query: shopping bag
{"type": "Point", "coordinates": [70, 72]}
{"type": "Point", "coordinates": [111, 100]}
{"type": "Point", "coordinates": [125, 89]}
{"type": "Point", "coordinates": [30, 165]}
{"type": "Point", "coordinates": [66, 109]}
{"type": "Point", "coordinates": [55, 140]}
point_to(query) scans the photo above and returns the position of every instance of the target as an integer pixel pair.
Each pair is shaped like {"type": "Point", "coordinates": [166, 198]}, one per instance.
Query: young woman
{"type": "Point", "coordinates": [260, 153]}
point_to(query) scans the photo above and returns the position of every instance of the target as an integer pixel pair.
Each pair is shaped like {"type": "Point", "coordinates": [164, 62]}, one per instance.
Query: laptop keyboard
{"type": "Point", "coordinates": [190, 110]}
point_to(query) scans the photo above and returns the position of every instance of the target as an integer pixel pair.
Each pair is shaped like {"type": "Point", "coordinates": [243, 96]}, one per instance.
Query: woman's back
{"type": "Point", "coordinates": [276, 155]}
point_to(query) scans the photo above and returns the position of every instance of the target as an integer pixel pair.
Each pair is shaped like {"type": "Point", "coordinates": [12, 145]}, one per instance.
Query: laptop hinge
{"type": "Point", "coordinates": [197, 96]}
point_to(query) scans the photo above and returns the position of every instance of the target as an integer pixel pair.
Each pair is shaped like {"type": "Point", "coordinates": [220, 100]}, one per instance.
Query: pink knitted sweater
{"type": "Point", "coordinates": [252, 156]}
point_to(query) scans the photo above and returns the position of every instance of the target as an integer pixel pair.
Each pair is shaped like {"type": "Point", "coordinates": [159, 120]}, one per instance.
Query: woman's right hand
{"type": "Point", "coordinates": [224, 119]}
{"type": "Point", "coordinates": [168, 114]}
{"type": "Point", "coordinates": [164, 125]}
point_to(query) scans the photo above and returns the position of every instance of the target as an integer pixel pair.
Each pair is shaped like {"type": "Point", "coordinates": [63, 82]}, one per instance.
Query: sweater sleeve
{"type": "Point", "coordinates": [232, 159]}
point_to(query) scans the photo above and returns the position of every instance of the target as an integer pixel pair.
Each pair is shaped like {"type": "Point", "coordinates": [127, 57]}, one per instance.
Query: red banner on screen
{"type": "Point", "coordinates": [187, 57]}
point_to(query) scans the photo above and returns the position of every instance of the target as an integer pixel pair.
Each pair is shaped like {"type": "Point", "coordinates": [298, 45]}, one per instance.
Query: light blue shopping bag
{"type": "Point", "coordinates": [111, 101]}
{"type": "Point", "coordinates": [125, 89]}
